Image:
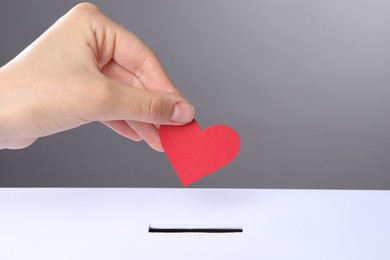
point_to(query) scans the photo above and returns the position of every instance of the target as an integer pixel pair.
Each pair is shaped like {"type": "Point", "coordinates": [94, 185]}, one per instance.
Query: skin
{"type": "Point", "coordinates": [87, 68]}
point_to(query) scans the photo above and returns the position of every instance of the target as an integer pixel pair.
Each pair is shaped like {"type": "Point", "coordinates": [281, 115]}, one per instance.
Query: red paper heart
{"type": "Point", "coordinates": [194, 153]}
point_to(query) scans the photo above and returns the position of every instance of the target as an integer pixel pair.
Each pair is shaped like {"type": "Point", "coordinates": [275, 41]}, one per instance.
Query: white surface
{"type": "Point", "coordinates": [113, 224]}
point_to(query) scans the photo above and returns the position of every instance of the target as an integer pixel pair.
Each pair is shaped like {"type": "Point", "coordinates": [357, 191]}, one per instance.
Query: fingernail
{"type": "Point", "coordinates": [182, 113]}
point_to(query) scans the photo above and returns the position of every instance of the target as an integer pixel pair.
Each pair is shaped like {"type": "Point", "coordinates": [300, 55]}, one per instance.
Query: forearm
{"type": "Point", "coordinates": [3, 121]}
{"type": "Point", "coordinates": [9, 123]}
{"type": "Point", "coordinates": [3, 140]}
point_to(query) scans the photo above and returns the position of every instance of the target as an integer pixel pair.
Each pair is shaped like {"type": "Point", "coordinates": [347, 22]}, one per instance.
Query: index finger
{"type": "Point", "coordinates": [135, 56]}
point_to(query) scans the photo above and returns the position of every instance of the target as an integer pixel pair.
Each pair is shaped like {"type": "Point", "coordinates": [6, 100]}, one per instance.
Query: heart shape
{"type": "Point", "coordinates": [194, 153]}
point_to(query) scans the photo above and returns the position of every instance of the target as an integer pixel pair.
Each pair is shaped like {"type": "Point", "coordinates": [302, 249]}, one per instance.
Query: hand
{"type": "Point", "coordinates": [87, 68]}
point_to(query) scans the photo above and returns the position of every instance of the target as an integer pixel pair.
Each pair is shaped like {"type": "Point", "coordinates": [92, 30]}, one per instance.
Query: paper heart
{"type": "Point", "coordinates": [194, 153]}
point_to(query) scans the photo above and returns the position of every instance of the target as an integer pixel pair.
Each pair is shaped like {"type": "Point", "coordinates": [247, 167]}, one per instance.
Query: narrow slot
{"type": "Point", "coordinates": [193, 229]}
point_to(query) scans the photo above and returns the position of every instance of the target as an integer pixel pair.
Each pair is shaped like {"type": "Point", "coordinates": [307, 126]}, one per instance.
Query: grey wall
{"type": "Point", "coordinates": [306, 83]}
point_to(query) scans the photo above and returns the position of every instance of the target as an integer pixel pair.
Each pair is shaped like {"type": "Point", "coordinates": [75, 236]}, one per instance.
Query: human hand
{"type": "Point", "coordinates": [87, 68]}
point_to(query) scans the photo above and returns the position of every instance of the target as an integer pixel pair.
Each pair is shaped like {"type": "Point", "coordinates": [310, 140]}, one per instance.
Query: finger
{"type": "Point", "coordinates": [112, 41]}
{"type": "Point", "coordinates": [123, 129]}
{"type": "Point", "coordinates": [116, 101]}
{"type": "Point", "coordinates": [133, 55]}
{"type": "Point", "coordinates": [146, 131]}
{"type": "Point", "coordinates": [116, 72]}
{"type": "Point", "coordinates": [149, 133]}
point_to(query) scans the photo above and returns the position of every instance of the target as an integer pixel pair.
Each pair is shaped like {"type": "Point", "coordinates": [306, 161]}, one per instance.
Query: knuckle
{"type": "Point", "coordinates": [153, 108]}
{"type": "Point", "coordinates": [84, 13]}
{"type": "Point", "coordinates": [85, 7]}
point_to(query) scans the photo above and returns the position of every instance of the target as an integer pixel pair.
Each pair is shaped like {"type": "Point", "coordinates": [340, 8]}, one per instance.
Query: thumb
{"type": "Point", "coordinates": [154, 107]}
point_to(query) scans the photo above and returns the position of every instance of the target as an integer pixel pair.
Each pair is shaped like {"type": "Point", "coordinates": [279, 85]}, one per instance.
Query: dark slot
{"type": "Point", "coordinates": [194, 230]}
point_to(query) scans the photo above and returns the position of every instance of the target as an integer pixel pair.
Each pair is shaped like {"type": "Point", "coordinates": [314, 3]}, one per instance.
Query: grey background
{"type": "Point", "coordinates": [305, 83]}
